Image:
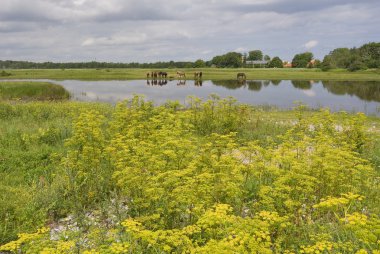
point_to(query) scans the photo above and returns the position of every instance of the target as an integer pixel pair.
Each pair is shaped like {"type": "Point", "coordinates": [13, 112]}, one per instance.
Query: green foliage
{"type": "Point", "coordinates": [231, 59]}
{"type": "Point", "coordinates": [199, 64]}
{"type": "Point", "coordinates": [370, 54]}
{"type": "Point", "coordinates": [276, 62]}
{"type": "Point", "coordinates": [354, 59]}
{"type": "Point", "coordinates": [302, 60]}
{"type": "Point", "coordinates": [255, 55]}
{"type": "Point", "coordinates": [357, 65]}
{"type": "Point", "coordinates": [32, 91]}
{"type": "Point", "coordinates": [31, 145]}
{"type": "Point", "coordinates": [327, 63]}
{"type": "Point", "coordinates": [5, 74]}
{"type": "Point", "coordinates": [192, 181]}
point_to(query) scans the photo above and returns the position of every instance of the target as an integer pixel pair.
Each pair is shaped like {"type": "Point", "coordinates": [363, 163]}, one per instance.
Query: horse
{"type": "Point", "coordinates": [198, 75]}
{"type": "Point", "coordinates": [241, 75]}
{"type": "Point", "coordinates": [164, 75]}
{"type": "Point", "coordinates": [147, 75]}
{"type": "Point", "coordinates": [181, 74]}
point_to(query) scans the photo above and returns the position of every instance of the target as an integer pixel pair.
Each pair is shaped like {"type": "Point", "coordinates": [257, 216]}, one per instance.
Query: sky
{"type": "Point", "coordinates": [181, 30]}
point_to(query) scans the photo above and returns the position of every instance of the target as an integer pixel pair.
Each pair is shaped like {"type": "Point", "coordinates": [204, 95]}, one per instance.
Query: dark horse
{"type": "Point", "coordinates": [198, 75]}
{"type": "Point", "coordinates": [154, 75]}
{"type": "Point", "coordinates": [241, 75]}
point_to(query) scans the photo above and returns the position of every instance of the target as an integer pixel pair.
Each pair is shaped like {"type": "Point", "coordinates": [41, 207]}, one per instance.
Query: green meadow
{"type": "Point", "coordinates": [24, 90]}
{"type": "Point", "coordinates": [210, 176]}
{"type": "Point", "coordinates": [208, 74]}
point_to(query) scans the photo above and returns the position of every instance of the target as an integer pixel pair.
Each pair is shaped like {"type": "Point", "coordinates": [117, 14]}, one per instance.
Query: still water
{"type": "Point", "coordinates": [352, 96]}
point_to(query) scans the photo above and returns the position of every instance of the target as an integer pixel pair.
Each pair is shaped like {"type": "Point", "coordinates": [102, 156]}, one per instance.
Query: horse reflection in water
{"type": "Point", "coordinates": [241, 82]}
{"type": "Point", "coordinates": [181, 82]}
{"type": "Point", "coordinates": [198, 82]}
{"type": "Point", "coordinates": [156, 82]}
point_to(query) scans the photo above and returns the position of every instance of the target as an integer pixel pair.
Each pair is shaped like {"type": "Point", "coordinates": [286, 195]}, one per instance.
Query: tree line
{"type": "Point", "coordinates": [364, 57]}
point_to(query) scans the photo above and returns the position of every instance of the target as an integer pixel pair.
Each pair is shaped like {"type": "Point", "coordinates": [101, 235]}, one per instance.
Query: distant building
{"type": "Point", "coordinates": [312, 63]}
{"type": "Point", "coordinates": [261, 63]}
{"type": "Point", "coordinates": [287, 64]}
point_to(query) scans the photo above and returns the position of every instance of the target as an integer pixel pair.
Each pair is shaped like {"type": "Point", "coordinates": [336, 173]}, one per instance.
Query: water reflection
{"type": "Point", "coordinates": [181, 82]}
{"type": "Point", "coordinates": [365, 90]}
{"type": "Point", "coordinates": [253, 85]}
{"type": "Point", "coordinates": [275, 82]}
{"type": "Point", "coordinates": [230, 84]}
{"type": "Point", "coordinates": [361, 96]}
{"type": "Point", "coordinates": [198, 82]}
{"type": "Point", "coordinates": [302, 84]}
{"type": "Point", "coordinates": [157, 82]}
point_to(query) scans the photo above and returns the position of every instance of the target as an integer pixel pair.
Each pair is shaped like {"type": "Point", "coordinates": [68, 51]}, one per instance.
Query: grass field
{"type": "Point", "coordinates": [24, 90]}
{"type": "Point", "coordinates": [208, 74]}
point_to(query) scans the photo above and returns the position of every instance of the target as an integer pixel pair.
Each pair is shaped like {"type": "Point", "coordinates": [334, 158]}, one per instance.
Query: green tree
{"type": "Point", "coordinates": [302, 60]}
{"type": "Point", "coordinates": [370, 54]}
{"type": "Point", "coordinates": [341, 57]}
{"type": "Point", "coordinates": [276, 62]}
{"type": "Point", "coordinates": [357, 65]}
{"type": "Point", "coordinates": [327, 63]}
{"type": "Point", "coordinates": [231, 59]}
{"type": "Point", "coordinates": [267, 58]}
{"type": "Point", "coordinates": [199, 63]}
{"type": "Point", "coordinates": [255, 55]}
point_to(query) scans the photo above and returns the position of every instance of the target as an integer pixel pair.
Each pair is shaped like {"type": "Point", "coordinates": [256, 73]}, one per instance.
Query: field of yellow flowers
{"type": "Point", "coordinates": [211, 176]}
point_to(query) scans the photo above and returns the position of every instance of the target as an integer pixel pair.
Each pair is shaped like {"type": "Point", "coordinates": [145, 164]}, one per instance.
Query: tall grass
{"type": "Point", "coordinates": [209, 176]}
{"type": "Point", "coordinates": [24, 90]}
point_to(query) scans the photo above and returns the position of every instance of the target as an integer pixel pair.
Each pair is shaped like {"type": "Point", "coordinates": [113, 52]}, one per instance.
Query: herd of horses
{"type": "Point", "coordinates": [162, 82]}
{"type": "Point", "coordinates": [160, 78]}
{"type": "Point", "coordinates": [164, 75]}
{"type": "Point", "coordinates": [157, 75]}
{"type": "Point", "coordinates": [182, 75]}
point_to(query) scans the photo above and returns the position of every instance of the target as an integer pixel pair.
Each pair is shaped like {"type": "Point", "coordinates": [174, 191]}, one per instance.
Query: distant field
{"type": "Point", "coordinates": [208, 74]}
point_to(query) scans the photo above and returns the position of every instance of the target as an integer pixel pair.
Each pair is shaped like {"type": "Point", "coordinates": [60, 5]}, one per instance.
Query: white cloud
{"type": "Point", "coordinates": [311, 44]}
{"type": "Point", "coordinates": [309, 93]}
{"type": "Point", "coordinates": [152, 30]}
{"type": "Point", "coordinates": [241, 50]}
{"type": "Point", "coordinates": [115, 41]}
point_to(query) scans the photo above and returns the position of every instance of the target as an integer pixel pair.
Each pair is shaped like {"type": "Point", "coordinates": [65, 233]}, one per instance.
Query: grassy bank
{"type": "Point", "coordinates": [214, 177]}
{"type": "Point", "coordinates": [23, 90]}
{"type": "Point", "coordinates": [208, 74]}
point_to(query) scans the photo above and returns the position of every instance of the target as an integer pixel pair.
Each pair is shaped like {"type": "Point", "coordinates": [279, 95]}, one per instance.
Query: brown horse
{"type": "Point", "coordinates": [241, 75]}
{"type": "Point", "coordinates": [147, 75]}
{"type": "Point", "coordinates": [181, 74]}
{"type": "Point", "coordinates": [198, 75]}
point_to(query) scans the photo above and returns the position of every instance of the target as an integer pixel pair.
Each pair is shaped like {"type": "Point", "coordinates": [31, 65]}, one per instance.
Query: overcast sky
{"type": "Point", "coordinates": [162, 30]}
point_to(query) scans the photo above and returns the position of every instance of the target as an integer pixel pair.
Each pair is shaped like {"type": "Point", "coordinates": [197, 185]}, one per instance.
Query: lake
{"type": "Point", "coordinates": [351, 96]}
